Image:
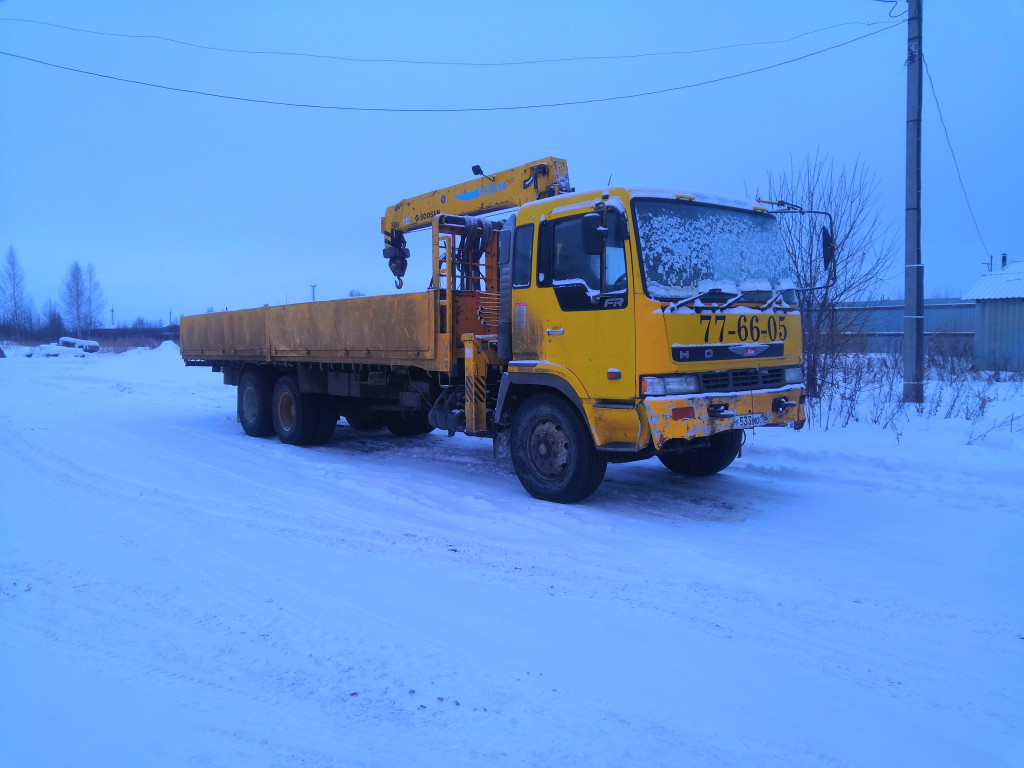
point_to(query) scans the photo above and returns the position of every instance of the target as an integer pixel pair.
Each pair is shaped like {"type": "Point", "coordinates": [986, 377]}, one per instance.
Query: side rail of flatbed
{"type": "Point", "coordinates": [396, 330]}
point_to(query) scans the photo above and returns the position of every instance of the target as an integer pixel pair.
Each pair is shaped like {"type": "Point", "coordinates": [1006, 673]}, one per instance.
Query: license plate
{"type": "Point", "coordinates": [747, 420]}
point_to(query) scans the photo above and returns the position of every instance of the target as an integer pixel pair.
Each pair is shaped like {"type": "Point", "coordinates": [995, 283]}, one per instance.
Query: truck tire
{"type": "Point", "coordinates": [408, 423]}
{"type": "Point", "coordinates": [326, 420]}
{"type": "Point", "coordinates": [552, 451]}
{"type": "Point", "coordinates": [295, 415]}
{"type": "Point", "coordinates": [254, 393]}
{"type": "Point", "coordinates": [723, 449]}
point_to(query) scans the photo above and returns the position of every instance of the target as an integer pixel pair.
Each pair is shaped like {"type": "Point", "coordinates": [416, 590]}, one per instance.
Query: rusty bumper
{"type": "Point", "coordinates": [693, 416]}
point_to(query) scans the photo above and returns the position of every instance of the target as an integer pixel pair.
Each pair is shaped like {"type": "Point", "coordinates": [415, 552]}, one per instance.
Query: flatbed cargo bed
{"type": "Point", "coordinates": [393, 330]}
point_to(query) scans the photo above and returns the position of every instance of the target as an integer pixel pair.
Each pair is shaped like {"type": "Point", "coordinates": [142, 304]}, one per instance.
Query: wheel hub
{"type": "Point", "coordinates": [249, 404]}
{"type": "Point", "coordinates": [549, 449]}
{"type": "Point", "coordinates": [286, 412]}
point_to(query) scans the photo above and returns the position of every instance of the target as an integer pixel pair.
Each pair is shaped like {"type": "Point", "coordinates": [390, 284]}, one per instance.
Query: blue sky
{"type": "Point", "coordinates": [184, 202]}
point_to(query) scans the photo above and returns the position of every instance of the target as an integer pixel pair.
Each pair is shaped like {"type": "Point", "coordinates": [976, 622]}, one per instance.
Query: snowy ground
{"type": "Point", "coordinates": [175, 593]}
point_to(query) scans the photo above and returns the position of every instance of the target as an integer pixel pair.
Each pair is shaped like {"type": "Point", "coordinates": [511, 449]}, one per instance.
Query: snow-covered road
{"type": "Point", "coordinates": [174, 593]}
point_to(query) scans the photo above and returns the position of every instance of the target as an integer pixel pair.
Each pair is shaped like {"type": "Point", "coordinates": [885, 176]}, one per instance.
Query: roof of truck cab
{"type": "Point", "coordinates": [579, 200]}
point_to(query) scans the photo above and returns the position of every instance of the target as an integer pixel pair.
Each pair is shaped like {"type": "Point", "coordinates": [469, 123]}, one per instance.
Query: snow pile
{"type": "Point", "coordinates": [88, 346]}
{"type": "Point", "coordinates": [55, 350]}
{"type": "Point", "coordinates": [176, 593]}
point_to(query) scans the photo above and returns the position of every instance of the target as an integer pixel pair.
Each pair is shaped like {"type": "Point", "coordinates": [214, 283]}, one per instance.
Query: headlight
{"type": "Point", "coordinates": [794, 375]}
{"type": "Point", "coordinates": [685, 384]}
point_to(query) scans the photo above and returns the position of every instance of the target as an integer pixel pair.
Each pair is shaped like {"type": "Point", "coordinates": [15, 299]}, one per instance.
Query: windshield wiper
{"type": "Point", "coordinates": [775, 297]}
{"type": "Point", "coordinates": [740, 297]}
{"type": "Point", "coordinates": [713, 294]}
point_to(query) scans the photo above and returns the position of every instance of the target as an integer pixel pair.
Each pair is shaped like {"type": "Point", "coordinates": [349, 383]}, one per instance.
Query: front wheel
{"type": "Point", "coordinates": [552, 451]}
{"type": "Point", "coordinates": [722, 449]}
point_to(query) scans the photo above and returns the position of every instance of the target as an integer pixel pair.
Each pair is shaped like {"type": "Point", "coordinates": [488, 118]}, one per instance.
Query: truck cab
{"type": "Point", "coordinates": [682, 331]}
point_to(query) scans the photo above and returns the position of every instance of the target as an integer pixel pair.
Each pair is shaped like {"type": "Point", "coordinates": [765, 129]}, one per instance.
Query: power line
{"type": "Point", "coordinates": [353, 59]}
{"type": "Point", "coordinates": [893, 5]}
{"type": "Point", "coordinates": [956, 165]}
{"type": "Point", "coordinates": [550, 105]}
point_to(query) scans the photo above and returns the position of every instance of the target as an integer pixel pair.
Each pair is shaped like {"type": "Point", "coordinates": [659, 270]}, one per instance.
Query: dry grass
{"type": "Point", "coordinates": [126, 343]}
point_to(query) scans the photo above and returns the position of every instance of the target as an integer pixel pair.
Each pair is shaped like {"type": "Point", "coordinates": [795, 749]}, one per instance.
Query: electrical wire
{"type": "Point", "coordinates": [353, 59]}
{"type": "Point", "coordinates": [953, 155]}
{"type": "Point", "coordinates": [893, 5]}
{"type": "Point", "coordinates": [550, 105]}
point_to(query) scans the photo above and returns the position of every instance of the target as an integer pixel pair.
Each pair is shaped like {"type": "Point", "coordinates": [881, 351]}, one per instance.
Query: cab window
{"type": "Point", "coordinates": [570, 263]}
{"type": "Point", "coordinates": [575, 275]}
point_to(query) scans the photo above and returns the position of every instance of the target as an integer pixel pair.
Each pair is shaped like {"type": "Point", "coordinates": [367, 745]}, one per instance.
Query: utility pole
{"type": "Point", "coordinates": [913, 303]}
{"type": "Point", "coordinates": [313, 287]}
{"type": "Point", "coordinates": [111, 317]}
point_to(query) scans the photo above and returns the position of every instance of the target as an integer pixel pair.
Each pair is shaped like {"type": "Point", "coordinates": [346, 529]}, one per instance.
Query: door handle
{"type": "Point", "coordinates": [556, 331]}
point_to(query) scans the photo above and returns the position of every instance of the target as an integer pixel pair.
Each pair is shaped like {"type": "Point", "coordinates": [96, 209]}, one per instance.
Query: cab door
{"type": "Point", "coordinates": [564, 320]}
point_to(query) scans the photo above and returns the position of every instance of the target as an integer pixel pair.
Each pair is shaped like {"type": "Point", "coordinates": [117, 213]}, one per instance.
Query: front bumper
{"type": "Point", "coordinates": [686, 417]}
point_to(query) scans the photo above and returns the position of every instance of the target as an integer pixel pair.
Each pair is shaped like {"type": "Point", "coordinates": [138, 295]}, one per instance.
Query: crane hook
{"type": "Point", "coordinates": [398, 283]}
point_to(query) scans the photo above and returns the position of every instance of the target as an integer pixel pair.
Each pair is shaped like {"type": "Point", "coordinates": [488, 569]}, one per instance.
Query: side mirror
{"type": "Point", "coordinates": [505, 241]}
{"type": "Point", "coordinates": [828, 249]}
{"type": "Point", "coordinates": [595, 234]}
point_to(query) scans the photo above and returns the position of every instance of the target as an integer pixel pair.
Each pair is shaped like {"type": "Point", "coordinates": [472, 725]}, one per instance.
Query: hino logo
{"type": "Point", "coordinates": [748, 350]}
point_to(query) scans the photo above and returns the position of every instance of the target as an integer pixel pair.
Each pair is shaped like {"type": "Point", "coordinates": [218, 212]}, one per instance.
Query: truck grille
{"type": "Point", "coordinates": [747, 378]}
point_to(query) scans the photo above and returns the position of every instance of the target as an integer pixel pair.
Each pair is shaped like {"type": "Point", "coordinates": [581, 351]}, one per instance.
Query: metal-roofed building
{"type": "Point", "coordinates": [999, 322]}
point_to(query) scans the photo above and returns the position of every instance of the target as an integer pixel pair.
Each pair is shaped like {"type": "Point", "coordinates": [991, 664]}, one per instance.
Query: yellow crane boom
{"type": "Point", "coordinates": [488, 193]}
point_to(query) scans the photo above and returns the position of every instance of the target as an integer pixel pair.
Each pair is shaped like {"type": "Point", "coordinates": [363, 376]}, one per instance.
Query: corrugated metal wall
{"type": "Point", "coordinates": [999, 339]}
{"type": "Point", "coordinates": [878, 326]}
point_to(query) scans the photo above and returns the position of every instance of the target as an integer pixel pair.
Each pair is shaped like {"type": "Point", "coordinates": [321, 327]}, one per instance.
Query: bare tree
{"type": "Point", "coordinates": [51, 324]}
{"type": "Point", "coordinates": [82, 299]}
{"type": "Point", "coordinates": [865, 250]}
{"type": "Point", "coordinates": [94, 301]}
{"type": "Point", "coordinates": [72, 298]}
{"type": "Point", "coordinates": [15, 310]}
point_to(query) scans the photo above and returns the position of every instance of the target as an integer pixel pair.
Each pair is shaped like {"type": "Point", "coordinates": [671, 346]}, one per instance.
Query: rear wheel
{"type": "Point", "coordinates": [295, 414]}
{"type": "Point", "coordinates": [722, 450]}
{"type": "Point", "coordinates": [326, 420]}
{"type": "Point", "coordinates": [552, 451]}
{"type": "Point", "coordinates": [254, 394]}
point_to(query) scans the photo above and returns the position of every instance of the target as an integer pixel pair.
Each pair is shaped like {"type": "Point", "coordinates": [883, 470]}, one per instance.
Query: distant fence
{"type": "Point", "coordinates": [880, 325]}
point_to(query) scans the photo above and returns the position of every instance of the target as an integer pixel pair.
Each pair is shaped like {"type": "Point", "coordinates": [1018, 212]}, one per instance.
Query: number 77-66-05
{"type": "Point", "coordinates": [743, 327]}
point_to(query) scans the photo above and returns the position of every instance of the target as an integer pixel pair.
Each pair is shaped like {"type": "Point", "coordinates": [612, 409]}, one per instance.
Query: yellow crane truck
{"type": "Point", "coordinates": [584, 328]}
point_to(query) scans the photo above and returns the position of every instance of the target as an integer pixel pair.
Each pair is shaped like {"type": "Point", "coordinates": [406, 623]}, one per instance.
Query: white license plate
{"type": "Point", "coordinates": [747, 420]}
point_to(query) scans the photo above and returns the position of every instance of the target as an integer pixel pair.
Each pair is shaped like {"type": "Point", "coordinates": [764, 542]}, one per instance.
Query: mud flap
{"type": "Point", "coordinates": [502, 437]}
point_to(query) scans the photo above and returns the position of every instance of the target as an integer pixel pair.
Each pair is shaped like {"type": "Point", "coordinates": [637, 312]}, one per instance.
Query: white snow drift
{"type": "Point", "coordinates": [175, 593]}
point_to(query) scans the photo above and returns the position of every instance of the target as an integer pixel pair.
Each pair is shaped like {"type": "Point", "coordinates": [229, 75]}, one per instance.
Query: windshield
{"type": "Point", "coordinates": [688, 250]}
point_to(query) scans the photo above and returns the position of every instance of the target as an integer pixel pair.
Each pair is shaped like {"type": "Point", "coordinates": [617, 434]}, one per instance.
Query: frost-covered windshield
{"type": "Point", "coordinates": [687, 249]}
